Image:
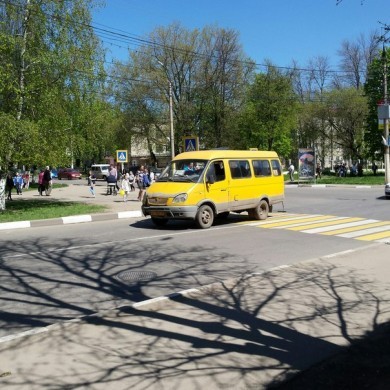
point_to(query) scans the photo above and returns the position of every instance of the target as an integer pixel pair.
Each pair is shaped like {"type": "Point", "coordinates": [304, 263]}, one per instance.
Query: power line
{"type": "Point", "coordinates": [109, 33]}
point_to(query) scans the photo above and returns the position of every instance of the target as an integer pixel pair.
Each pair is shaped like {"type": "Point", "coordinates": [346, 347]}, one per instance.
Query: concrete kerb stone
{"type": "Point", "coordinates": [70, 220]}
{"type": "Point", "coordinates": [77, 192]}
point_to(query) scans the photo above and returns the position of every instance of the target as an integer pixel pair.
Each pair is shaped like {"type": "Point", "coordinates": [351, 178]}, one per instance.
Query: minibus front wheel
{"type": "Point", "coordinates": [204, 217]}
{"type": "Point", "coordinates": [260, 211]}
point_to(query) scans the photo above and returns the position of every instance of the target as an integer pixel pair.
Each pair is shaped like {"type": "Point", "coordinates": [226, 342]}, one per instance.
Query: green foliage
{"type": "Point", "coordinates": [52, 79]}
{"type": "Point", "coordinates": [375, 93]}
{"type": "Point", "coordinates": [270, 113]}
{"type": "Point", "coordinates": [208, 73]}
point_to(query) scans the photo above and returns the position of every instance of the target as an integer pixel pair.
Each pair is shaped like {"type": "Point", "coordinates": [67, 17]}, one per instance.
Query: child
{"type": "Point", "coordinates": [125, 186]}
{"type": "Point", "coordinates": [91, 183]}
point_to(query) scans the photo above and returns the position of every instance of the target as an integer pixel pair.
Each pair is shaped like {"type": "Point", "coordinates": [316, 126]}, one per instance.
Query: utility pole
{"type": "Point", "coordinates": [171, 120]}
{"type": "Point", "coordinates": [386, 120]}
{"type": "Point", "coordinates": [172, 135]}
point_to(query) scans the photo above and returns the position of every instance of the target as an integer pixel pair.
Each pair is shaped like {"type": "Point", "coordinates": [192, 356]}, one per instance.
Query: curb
{"type": "Point", "coordinates": [358, 186]}
{"type": "Point", "coordinates": [70, 220]}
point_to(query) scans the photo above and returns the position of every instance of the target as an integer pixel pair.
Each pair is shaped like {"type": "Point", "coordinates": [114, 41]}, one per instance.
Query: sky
{"type": "Point", "coordinates": [275, 30]}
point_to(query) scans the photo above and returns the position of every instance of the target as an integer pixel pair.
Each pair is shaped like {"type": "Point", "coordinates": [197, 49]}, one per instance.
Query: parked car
{"type": "Point", "coordinates": [68, 173]}
{"type": "Point", "coordinates": [387, 190]}
{"type": "Point", "coordinates": [54, 173]}
{"type": "Point", "coordinates": [100, 171]}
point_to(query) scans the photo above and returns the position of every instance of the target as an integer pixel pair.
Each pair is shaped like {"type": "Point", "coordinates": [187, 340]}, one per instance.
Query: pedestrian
{"type": "Point", "coordinates": [140, 182]}
{"type": "Point", "coordinates": [18, 183]}
{"type": "Point", "coordinates": [125, 185]}
{"type": "Point", "coordinates": [114, 173]}
{"type": "Point", "coordinates": [91, 183]}
{"type": "Point", "coordinates": [131, 181]}
{"type": "Point", "coordinates": [26, 180]}
{"type": "Point", "coordinates": [318, 171]}
{"type": "Point", "coordinates": [291, 170]}
{"type": "Point", "coordinates": [374, 168]}
{"type": "Point", "coordinates": [41, 186]}
{"type": "Point", "coordinates": [360, 169]}
{"type": "Point", "coordinates": [151, 176]}
{"type": "Point", "coordinates": [9, 184]}
{"type": "Point", "coordinates": [47, 181]}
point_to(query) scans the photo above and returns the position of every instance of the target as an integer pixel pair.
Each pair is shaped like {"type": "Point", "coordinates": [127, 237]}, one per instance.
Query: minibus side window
{"type": "Point", "coordinates": [239, 169]}
{"type": "Point", "coordinates": [261, 167]}
{"type": "Point", "coordinates": [216, 171]}
{"type": "Point", "coordinates": [276, 169]}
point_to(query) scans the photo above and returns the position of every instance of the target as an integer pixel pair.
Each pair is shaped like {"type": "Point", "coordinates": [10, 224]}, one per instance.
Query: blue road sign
{"type": "Point", "coordinates": [121, 156]}
{"type": "Point", "coordinates": [190, 144]}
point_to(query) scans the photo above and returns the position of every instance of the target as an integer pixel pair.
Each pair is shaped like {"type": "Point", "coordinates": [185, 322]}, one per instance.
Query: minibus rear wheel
{"type": "Point", "coordinates": [205, 217]}
{"type": "Point", "coordinates": [260, 211]}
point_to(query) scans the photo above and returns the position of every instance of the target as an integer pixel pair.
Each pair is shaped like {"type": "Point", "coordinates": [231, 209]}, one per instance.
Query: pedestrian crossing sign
{"type": "Point", "coordinates": [121, 156]}
{"type": "Point", "coordinates": [191, 144]}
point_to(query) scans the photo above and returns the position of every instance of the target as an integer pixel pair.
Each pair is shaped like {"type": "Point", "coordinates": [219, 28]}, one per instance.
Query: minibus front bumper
{"type": "Point", "coordinates": [170, 212]}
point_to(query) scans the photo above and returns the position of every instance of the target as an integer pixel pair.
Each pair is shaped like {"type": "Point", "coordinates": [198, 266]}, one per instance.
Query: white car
{"type": "Point", "coordinates": [387, 190]}
{"type": "Point", "coordinates": [100, 171]}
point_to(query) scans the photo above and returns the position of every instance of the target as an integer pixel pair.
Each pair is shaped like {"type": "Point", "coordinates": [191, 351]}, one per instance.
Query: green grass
{"type": "Point", "coordinates": [32, 209]}
{"type": "Point", "coordinates": [368, 178]}
{"type": "Point", "coordinates": [42, 208]}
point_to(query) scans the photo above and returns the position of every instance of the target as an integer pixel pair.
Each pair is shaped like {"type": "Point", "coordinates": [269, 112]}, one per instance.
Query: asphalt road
{"type": "Point", "coordinates": [57, 273]}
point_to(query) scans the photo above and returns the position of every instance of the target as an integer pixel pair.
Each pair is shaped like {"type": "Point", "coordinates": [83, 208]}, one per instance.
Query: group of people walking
{"type": "Point", "coordinates": [21, 182]}
{"type": "Point", "coordinates": [125, 182]}
{"type": "Point", "coordinates": [142, 179]}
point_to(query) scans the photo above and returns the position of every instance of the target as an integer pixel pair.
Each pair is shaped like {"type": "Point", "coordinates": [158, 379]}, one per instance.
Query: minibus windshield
{"type": "Point", "coordinates": [183, 171]}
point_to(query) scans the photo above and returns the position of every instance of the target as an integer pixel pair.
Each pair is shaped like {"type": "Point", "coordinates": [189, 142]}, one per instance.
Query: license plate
{"type": "Point", "coordinates": [157, 213]}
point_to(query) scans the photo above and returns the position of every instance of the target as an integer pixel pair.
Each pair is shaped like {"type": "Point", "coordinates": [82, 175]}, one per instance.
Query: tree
{"type": "Point", "coordinates": [270, 113]}
{"type": "Point", "coordinates": [356, 58]}
{"type": "Point", "coordinates": [54, 70]}
{"type": "Point", "coordinates": [345, 112]}
{"type": "Point", "coordinates": [375, 94]}
{"type": "Point", "coordinates": [207, 70]}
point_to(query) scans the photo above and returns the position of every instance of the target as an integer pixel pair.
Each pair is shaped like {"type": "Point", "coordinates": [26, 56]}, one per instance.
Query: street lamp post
{"type": "Point", "coordinates": [172, 136]}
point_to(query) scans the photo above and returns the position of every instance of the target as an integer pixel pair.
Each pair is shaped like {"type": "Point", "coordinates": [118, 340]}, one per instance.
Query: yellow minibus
{"type": "Point", "coordinates": [204, 185]}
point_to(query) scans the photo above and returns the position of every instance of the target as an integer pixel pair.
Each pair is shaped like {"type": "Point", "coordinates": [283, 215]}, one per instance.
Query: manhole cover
{"type": "Point", "coordinates": [135, 276]}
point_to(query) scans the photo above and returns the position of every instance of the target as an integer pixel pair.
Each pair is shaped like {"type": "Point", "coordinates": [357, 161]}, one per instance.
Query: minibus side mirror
{"type": "Point", "coordinates": [210, 179]}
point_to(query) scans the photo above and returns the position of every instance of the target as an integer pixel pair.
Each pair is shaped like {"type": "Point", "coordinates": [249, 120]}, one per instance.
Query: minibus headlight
{"type": "Point", "coordinates": [180, 198]}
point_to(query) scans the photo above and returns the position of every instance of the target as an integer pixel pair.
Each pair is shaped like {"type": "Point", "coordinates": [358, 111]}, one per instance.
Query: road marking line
{"type": "Point", "coordinates": [339, 224]}
{"type": "Point", "coordinates": [355, 228]}
{"type": "Point", "coordinates": [297, 221]}
{"type": "Point", "coordinates": [77, 219]}
{"type": "Point", "coordinates": [375, 236]}
{"type": "Point", "coordinates": [329, 222]}
{"type": "Point", "coordinates": [365, 232]}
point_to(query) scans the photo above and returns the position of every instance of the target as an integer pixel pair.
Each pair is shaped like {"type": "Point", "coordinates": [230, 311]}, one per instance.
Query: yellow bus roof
{"type": "Point", "coordinates": [220, 153]}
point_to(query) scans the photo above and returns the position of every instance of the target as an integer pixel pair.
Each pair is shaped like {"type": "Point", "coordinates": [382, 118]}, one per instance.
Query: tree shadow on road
{"type": "Point", "coordinates": [244, 332]}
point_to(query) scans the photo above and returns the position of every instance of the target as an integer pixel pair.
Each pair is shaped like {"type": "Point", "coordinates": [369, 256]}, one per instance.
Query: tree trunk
{"type": "Point", "coordinates": [22, 61]}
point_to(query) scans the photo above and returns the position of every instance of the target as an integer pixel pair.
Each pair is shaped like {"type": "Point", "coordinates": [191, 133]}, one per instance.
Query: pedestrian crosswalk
{"type": "Point", "coordinates": [348, 227]}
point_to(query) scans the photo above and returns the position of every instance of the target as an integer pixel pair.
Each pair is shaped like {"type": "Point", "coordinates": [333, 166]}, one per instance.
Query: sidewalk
{"type": "Point", "coordinates": [245, 333]}
{"type": "Point", "coordinates": [78, 191]}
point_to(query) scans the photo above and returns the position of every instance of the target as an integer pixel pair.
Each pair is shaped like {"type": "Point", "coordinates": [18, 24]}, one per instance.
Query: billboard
{"type": "Point", "coordinates": [306, 161]}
